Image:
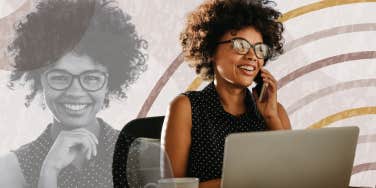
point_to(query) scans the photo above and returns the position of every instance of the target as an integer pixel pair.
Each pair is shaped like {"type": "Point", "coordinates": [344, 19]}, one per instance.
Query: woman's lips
{"type": "Point", "coordinates": [75, 109]}
{"type": "Point", "coordinates": [247, 69]}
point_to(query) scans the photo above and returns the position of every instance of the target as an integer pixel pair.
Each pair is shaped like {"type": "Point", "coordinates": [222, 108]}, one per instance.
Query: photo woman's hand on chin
{"type": "Point", "coordinates": [273, 113]}
{"type": "Point", "coordinates": [77, 144]}
{"type": "Point", "coordinates": [69, 145]}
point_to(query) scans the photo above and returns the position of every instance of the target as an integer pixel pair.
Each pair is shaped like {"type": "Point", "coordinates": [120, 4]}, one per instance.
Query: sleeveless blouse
{"type": "Point", "coordinates": [96, 174]}
{"type": "Point", "coordinates": [210, 126]}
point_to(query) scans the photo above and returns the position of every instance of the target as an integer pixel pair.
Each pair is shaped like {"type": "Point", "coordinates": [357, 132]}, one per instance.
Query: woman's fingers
{"type": "Point", "coordinates": [269, 78]}
{"type": "Point", "coordinates": [91, 151]}
{"type": "Point", "coordinates": [81, 143]}
{"type": "Point", "coordinates": [82, 130]}
{"type": "Point", "coordinates": [92, 139]}
{"type": "Point", "coordinates": [84, 138]}
{"type": "Point", "coordinates": [90, 143]}
{"type": "Point", "coordinates": [272, 86]}
{"type": "Point", "coordinates": [267, 74]}
{"type": "Point", "coordinates": [68, 145]}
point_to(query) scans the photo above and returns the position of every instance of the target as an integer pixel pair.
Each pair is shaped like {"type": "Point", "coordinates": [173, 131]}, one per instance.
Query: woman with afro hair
{"type": "Point", "coordinates": [77, 54]}
{"type": "Point", "coordinates": [227, 42]}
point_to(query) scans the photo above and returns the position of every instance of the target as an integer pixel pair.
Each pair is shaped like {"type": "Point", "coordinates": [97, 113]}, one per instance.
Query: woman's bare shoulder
{"type": "Point", "coordinates": [180, 102]}
{"type": "Point", "coordinates": [178, 117]}
{"type": "Point", "coordinates": [179, 110]}
{"type": "Point", "coordinates": [11, 174]}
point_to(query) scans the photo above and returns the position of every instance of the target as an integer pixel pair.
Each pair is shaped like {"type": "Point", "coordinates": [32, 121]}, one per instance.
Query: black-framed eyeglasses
{"type": "Point", "coordinates": [91, 80]}
{"type": "Point", "coordinates": [242, 47]}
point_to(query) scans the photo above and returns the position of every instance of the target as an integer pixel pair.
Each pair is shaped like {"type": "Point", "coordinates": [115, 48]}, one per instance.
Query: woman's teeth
{"type": "Point", "coordinates": [247, 67]}
{"type": "Point", "coordinates": [75, 107]}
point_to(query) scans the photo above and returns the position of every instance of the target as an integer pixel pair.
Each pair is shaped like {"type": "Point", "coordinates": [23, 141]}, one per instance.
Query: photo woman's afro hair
{"type": "Point", "coordinates": [94, 28]}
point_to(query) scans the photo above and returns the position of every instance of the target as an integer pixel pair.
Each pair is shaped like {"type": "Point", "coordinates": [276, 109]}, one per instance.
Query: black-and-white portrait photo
{"type": "Point", "coordinates": [71, 58]}
{"type": "Point", "coordinates": [141, 93]}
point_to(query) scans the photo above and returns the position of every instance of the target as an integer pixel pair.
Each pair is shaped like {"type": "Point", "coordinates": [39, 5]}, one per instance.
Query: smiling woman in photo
{"type": "Point", "coordinates": [227, 42]}
{"type": "Point", "coordinates": [77, 55]}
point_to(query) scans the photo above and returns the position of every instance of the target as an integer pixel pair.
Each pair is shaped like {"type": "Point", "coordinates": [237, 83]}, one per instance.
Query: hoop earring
{"type": "Point", "coordinates": [42, 102]}
{"type": "Point", "coordinates": [106, 102]}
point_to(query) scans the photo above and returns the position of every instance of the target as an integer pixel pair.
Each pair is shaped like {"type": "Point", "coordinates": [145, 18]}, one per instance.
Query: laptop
{"type": "Point", "coordinates": [312, 158]}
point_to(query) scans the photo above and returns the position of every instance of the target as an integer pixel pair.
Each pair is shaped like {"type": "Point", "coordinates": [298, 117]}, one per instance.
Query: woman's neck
{"type": "Point", "coordinates": [57, 126]}
{"type": "Point", "coordinates": [231, 97]}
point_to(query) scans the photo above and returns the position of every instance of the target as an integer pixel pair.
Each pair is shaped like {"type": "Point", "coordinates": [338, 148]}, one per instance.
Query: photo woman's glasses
{"type": "Point", "coordinates": [92, 80]}
{"type": "Point", "coordinates": [242, 46]}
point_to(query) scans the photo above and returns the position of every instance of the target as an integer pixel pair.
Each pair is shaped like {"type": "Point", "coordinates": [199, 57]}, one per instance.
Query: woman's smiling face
{"type": "Point", "coordinates": [232, 67]}
{"type": "Point", "coordinates": [75, 106]}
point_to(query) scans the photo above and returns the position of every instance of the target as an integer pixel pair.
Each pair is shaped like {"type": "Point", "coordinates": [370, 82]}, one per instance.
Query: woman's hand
{"type": "Point", "coordinates": [268, 106]}
{"type": "Point", "coordinates": [68, 145]}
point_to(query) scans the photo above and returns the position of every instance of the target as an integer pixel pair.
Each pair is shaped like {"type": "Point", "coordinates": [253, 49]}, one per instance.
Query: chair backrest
{"type": "Point", "coordinates": [149, 127]}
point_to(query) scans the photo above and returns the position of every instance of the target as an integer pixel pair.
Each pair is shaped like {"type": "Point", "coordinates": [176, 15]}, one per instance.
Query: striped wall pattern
{"type": "Point", "coordinates": [326, 77]}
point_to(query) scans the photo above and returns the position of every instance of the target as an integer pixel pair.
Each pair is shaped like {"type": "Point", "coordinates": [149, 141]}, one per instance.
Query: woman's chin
{"type": "Point", "coordinates": [70, 124]}
{"type": "Point", "coordinates": [244, 83]}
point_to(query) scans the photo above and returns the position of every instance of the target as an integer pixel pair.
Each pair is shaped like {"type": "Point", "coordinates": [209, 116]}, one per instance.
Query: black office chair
{"type": "Point", "coordinates": [149, 127]}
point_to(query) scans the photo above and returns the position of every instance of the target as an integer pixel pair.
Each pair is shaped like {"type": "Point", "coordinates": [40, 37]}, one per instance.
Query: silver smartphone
{"type": "Point", "coordinates": [263, 91]}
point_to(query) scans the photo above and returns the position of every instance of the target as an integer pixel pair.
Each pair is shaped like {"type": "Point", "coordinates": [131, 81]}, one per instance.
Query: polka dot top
{"type": "Point", "coordinates": [210, 126]}
{"type": "Point", "coordinates": [96, 174]}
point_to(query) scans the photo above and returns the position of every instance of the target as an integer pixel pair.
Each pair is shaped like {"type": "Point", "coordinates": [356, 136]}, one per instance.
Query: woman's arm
{"type": "Point", "coordinates": [176, 134]}
{"type": "Point", "coordinates": [11, 174]}
{"type": "Point", "coordinates": [176, 138]}
{"type": "Point", "coordinates": [216, 183]}
{"type": "Point", "coordinates": [280, 121]}
{"type": "Point", "coordinates": [273, 112]}
{"type": "Point", "coordinates": [283, 117]}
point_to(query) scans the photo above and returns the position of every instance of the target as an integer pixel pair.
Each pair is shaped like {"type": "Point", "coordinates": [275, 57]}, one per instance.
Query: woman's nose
{"type": "Point", "coordinates": [251, 55]}
{"type": "Point", "coordinates": [75, 88]}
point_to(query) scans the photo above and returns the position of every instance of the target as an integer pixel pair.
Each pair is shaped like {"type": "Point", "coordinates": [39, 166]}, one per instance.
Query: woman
{"type": "Point", "coordinates": [228, 42]}
{"type": "Point", "coordinates": [77, 54]}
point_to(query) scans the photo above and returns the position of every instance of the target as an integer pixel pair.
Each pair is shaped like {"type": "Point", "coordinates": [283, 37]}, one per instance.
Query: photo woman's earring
{"type": "Point", "coordinates": [106, 102]}
{"type": "Point", "coordinates": [42, 101]}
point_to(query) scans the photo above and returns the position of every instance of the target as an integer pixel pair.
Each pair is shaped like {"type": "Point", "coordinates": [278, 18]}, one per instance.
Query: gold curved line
{"type": "Point", "coordinates": [343, 115]}
{"type": "Point", "coordinates": [195, 84]}
{"type": "Point", "coordinates": [292, 14]}
{"type": "Point", "coordinates": [318, 6]}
